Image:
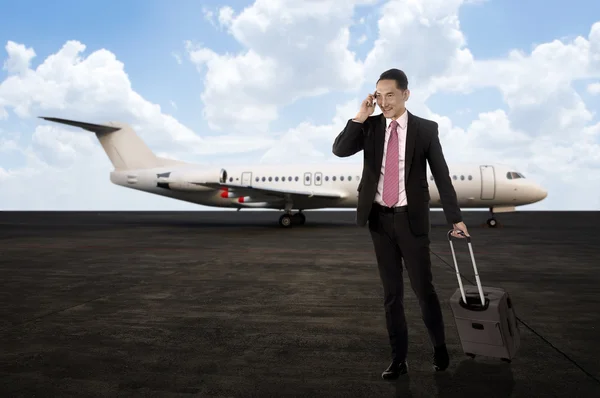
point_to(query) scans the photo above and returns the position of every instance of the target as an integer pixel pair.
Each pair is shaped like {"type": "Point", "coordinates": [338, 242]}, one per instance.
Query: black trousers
{"type": "Point", "coordinates": [393, 242]}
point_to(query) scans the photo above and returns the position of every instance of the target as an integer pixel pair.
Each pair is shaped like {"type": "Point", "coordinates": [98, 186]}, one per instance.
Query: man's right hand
{"type": "Point", "coordinates": [367, 107]}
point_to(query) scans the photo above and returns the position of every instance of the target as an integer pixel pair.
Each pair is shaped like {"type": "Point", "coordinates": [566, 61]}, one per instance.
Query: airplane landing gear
{"type": "Point", "coordinates": [288, 219]}
{"type": "Point", "coordinates": [300, 217]}
{"type": "Point", "coordinates": [285, 220]}
{"type": "Point", "coordinates": [492, 222]}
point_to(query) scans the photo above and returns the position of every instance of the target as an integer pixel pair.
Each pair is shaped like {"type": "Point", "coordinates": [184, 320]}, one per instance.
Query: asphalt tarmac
{"type": "Point", "coordinates": [226, 304]}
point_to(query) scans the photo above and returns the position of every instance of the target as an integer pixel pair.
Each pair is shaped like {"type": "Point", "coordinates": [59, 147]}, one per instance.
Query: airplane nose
{"type": "Point", "coordinates": [539, 193]}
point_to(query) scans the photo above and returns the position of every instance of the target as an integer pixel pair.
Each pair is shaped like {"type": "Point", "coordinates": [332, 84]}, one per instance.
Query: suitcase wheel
{"type": "Point", "coordinates": [470, 355]}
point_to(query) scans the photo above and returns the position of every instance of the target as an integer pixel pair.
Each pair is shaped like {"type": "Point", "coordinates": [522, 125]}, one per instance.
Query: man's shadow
{"type": "Point", "coordinates": [403, 387]}
{"type": "Point", "coordinates": [476, 378]}
{"type": "Point", "coordinates": [470, 379]}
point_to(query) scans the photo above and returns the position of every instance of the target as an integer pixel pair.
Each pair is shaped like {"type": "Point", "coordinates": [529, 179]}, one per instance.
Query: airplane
{"type": "Point", "coordinates": [497, 187]}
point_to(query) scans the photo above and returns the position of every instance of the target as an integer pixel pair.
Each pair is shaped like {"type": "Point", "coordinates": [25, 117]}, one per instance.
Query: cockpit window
{"type": "Point", "coordinates": [513, 175]}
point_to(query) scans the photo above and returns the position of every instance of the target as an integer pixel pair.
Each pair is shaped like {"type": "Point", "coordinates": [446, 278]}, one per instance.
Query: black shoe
{"type": "Point", "coordinates": [441, 359]}
{"type": "Point", "coordinates": [395, 370]}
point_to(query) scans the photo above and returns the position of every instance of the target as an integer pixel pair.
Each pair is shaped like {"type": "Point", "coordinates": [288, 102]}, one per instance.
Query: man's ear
{"type": "Point", "coordinates": [406, 94]}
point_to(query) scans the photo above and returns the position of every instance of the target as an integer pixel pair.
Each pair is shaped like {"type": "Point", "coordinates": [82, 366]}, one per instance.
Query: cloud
{"type": "Point", "coordinates": [226, 16]}
{"type": "Point", "coordinates": [537, 88]}
{"type": "Point", "coordinates": [97, 88]}
{"type": "Point", "coordinates": [308, 142]}
{"type": "Point", "coordinates": [593, 88]}
{"type": "Point", "coordinates": [19, 58]}
{"type": "Point", "coordinates": [292, 50]}
{"type": "Point", "coordinates": [422, 36]}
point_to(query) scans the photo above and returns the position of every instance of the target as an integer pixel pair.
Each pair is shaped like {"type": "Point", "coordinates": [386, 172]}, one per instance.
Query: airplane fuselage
{"type": "Point", "coordinates": [477, 186]}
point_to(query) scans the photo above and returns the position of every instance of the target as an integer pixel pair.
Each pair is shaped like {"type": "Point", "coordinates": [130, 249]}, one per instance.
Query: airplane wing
{"type": "Point", "coordinates": [245, 190]}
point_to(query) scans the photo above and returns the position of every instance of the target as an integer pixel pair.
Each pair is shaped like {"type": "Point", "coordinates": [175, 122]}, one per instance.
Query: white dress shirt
{"type": "Point", "coordinates": [402, 123]}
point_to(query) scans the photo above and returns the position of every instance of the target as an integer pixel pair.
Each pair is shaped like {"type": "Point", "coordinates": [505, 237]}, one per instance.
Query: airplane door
{"type": "Point", "coordinates": [488, 182]}
{"type": "Point", "coordinates": [307, 178]}
{"type": "Point", "coordinates": [247, 178]}
{"type": "Point", "coordinates": [318, 178]}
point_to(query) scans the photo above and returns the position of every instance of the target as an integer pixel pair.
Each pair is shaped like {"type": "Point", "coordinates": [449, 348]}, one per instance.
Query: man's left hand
{"type": "Point", "coordinates": [460, 227]}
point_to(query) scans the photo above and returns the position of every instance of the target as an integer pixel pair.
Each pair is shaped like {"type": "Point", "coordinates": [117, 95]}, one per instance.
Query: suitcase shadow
{"type": "Point", "coordinates": [476, 378]}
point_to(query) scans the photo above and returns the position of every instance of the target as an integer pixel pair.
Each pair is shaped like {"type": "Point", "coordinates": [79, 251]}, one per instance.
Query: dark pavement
{"type": "Point", "coordinates": [225, 304]}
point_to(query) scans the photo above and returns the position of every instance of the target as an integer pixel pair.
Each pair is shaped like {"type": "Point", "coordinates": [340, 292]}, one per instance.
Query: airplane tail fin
{"type": "Point", "coordinates": [124, 148]}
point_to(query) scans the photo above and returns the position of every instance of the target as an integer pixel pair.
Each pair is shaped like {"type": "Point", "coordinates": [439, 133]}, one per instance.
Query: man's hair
{"type": "Point", "coordinates": [397, 75]}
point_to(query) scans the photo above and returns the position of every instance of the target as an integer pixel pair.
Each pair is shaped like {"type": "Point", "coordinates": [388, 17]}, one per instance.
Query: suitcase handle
{"type": "Point", "coordinates": [462, 290]}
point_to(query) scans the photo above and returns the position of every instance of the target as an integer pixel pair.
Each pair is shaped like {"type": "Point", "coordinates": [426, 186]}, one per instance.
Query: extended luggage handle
{"type": "Point", "coordinates": [462, 290]}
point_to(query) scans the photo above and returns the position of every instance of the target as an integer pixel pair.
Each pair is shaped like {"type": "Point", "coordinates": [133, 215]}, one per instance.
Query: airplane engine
{"type": "Point", "coordinates": [189, 180]}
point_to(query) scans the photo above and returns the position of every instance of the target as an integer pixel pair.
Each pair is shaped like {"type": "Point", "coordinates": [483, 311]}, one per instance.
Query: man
{"type": "Point", "coordinates": [394, 199]}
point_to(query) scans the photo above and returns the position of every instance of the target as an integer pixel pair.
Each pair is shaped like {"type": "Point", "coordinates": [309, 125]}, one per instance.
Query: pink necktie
{"type": "Point", "coordinates": [391, 177]}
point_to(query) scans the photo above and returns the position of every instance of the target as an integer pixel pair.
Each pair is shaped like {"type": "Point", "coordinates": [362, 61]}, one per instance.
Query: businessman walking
{"type": "Point", "coordinates": [394, 199]}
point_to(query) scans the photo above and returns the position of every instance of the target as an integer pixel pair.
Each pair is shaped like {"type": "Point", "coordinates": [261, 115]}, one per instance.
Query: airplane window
{"type": "Point", "coordinates": [290, 178]}
{"type": "Point", "coordinates": [349, 178]}
{"type": "Point", "coordinates": [470, 178]}
{"type": "Point", "coordinates": [326, 178]}
{"type": "Point", "coordinates": [333, 178]}
{"type": "Point", "coordinates": [230, 179]}
{"type": "Point", "coordinates": [462, 178]}
{"type": "Point", "coordinates": [512, 175]}
{"type": "Point", "coordinates": [296, 178]}
{"type": "Point", "coordinates": [342, 178]}
{"type": "Point", "coordinates": [521, 175]}
{"type": "Point", "coordinates": [276, 178]}
{"type": "Point", "coordinates": [454, 177]}
{"type": "Point", "coordinates": [263, 179]}
{"type": "Point", "coordinates": [270, 178]}
{"type": "Point", "coordinates": [318, 178]}
{"type": "Point", "coordinates": [256, 179]}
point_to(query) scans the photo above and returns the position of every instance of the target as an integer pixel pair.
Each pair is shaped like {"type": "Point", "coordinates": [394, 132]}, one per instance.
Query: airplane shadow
{"type": "Point", "coordinates": [273, 224]}
{"type": "Point", "coordinates": [266, 224]}
{"type": "Point", "coordinates": [234, 220]}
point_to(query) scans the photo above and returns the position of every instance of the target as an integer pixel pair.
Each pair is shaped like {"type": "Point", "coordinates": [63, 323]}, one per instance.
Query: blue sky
{"type": "Point", "coordinates": [145, 35]}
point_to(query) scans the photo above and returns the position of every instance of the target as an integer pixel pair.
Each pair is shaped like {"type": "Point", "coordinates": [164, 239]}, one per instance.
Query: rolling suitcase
{"type": "Point", "coordinates": [484, 316]}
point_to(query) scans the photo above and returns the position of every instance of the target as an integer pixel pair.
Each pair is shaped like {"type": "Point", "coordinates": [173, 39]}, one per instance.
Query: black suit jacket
{"type": "Point", "coordinates": [423, 145]}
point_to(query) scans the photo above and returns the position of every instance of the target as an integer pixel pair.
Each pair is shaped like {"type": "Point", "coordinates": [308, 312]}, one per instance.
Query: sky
{"type": "Point", "coordinates": [231, 82]}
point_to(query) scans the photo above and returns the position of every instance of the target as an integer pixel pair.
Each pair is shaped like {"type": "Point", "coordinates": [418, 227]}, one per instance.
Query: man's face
{"type": "Point", "coordinates": [391, 99]}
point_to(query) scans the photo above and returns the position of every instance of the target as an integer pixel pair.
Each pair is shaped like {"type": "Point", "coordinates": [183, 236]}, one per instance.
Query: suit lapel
{"type": "Point", "coordinates": [411, 137]}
